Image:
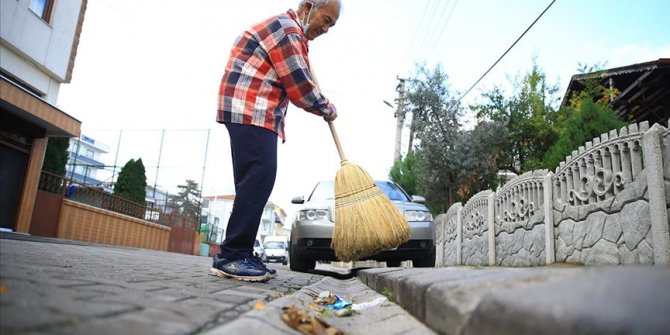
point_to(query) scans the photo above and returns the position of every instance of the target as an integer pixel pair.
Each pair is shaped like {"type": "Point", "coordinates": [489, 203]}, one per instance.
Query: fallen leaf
{"type": "Point", "coordinates": [298, 319]}
{"type": "Point", "coordinates": [316, 308]}
{"type": "Point", "coordinates": [344, 312]}
{"type": "Point", "coordinates": [273, 296]}
{"type": "Point", "coordinates": [260, 306]}
{"type": "Point", "coordinates": [4, 289]}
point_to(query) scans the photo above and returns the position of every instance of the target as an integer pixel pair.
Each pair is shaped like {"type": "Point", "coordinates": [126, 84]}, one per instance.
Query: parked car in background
{"type": "Point", "coordinates": [276, 249]}
{"type": "Point", "coordinates": [312, 230]}
{"type": "Point", "coordinates": [259, 250]}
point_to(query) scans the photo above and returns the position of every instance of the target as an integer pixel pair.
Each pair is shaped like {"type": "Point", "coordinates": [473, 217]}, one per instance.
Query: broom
{"type": "Point", "coordinates": [366, 221]}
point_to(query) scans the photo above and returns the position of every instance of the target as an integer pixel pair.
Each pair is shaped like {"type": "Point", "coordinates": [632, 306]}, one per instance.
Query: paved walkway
{"type": "Point", "coordinates": [50, 286]}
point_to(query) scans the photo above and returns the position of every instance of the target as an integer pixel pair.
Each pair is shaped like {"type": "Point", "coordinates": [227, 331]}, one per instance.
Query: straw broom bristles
{"type": "Point", "coordinates": [366, 221]}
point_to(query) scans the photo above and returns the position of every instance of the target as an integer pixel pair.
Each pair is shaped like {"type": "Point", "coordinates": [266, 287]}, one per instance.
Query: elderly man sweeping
{"type": "Point", "coordinates": [268, 67]}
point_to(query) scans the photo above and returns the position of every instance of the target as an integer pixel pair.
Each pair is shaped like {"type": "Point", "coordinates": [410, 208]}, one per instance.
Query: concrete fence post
{"type": "Point", "coordinates": [459, 236]}
{"type": "Point", "coordinates": [492, 231]}
{"type": "Point", "coordinates": [653, 163]}
{"type": "Point", "coordinates": [549, 250]}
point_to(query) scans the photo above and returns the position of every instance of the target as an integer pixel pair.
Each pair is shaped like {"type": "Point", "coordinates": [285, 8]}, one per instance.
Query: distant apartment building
{"type": "Point", "coordinates": [38, 45]}
{"type": "Point", "coordinates": [216, 211]}
{"type": "Point", "coordinates": [84, 160]}
{"type": "Point", "coordinates": [157, 198]}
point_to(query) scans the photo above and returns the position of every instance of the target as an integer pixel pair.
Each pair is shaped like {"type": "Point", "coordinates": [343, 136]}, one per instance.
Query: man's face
{"type": "Point", "coordinates": [322, 19]}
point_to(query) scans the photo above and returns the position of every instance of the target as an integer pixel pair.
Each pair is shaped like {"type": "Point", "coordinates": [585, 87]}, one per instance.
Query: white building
{"type": "Point", "coordinates": [38, 45]}
{"type": "Point", "coordinates": [216, 211]}
{"type": "Point", "coordinates": [84, 160]}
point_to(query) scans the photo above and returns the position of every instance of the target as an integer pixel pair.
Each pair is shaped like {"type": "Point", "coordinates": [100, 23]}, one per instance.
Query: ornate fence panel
{"type": "Point", "coordinates": [607, 203]}
{"type": "Point", "coordinates": [478, 240]}
{"type": "Point", "coordinates": [601, 201]}
{"type": "Point", "coordinates": [519, 221]}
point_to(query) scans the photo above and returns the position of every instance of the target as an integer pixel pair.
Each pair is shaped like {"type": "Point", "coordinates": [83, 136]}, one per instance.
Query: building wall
{"type": "Point", "coordinates": [37, 52]}
{"type": "Point", "coordinates": [36, 56]}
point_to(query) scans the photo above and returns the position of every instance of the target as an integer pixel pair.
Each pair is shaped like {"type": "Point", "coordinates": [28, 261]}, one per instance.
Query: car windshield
{"type": "Point", "coordinates": [325, 190]}
{"type": "Point", "coordinates": [274, 245]}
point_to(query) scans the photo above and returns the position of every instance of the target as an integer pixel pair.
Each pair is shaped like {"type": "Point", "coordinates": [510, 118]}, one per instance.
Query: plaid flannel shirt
{"type": "Point", "coordinates": [268, 66]}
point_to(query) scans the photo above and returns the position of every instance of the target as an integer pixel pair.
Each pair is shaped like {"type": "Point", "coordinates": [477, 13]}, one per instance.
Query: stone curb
{"type": "Point", "coordinates": [466, 300]}
{"type": "Point", "coordinates": [385, 318]}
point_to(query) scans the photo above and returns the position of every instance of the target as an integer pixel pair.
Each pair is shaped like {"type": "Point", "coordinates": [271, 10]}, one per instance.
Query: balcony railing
{"type": "Point", "coordinates": [86, 160]}
{"type": "Point", "coordinates": [97, 197]}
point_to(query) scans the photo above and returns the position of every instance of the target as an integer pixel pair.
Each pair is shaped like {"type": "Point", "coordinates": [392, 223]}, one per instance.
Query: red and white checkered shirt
{"type": "Point", "coordinates": [268, 66]}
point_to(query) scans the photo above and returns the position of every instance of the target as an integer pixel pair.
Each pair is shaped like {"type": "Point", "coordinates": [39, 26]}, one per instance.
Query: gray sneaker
{"type": "Point", "coordinates": [244, 269]}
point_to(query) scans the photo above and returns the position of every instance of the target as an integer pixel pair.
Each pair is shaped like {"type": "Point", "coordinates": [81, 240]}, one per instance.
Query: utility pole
{"type": "Point", "coordinates": [400, 118]}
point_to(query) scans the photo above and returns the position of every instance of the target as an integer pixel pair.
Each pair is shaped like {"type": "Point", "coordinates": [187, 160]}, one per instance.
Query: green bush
{"type": "Point", "coordinates": [587, 120]}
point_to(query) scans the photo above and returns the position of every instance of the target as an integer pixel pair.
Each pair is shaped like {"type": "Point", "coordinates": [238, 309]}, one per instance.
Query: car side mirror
{"type": "Point", "coordinates": [418, 199]}
{"type": "Point", "coordinates": [298, 200]}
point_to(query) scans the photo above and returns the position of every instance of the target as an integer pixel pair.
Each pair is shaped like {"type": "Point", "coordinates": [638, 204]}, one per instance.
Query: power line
{"type": "Point", "coordinates": [505, 53]}
{"type": "Point", "coordinates": [429, 27]}
{"type": "Point", "coordinates": [444, 27]}
{"type": "Point", "coordinates": [427, 41]}
{"type": "Point", "coordinates": [418, 30]}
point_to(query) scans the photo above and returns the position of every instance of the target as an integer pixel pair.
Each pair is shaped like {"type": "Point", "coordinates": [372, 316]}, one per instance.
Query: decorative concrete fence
{"type": "Point", "coordinates": [607, 203]}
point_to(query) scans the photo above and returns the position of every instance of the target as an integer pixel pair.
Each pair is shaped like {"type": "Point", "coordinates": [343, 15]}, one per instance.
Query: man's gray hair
{"type": "Point", "coordinates": [319, 3]}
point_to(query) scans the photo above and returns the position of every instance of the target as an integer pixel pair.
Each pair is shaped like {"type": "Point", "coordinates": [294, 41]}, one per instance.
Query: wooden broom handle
{"type": "Point", "coordinates": [337, 141]}
{"type": "Point", "coordinates": [330, 124]}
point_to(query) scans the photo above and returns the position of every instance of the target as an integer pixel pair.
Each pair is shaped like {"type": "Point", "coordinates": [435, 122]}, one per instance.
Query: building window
{"type": "Point", "coordinates": [42, 8]}
{"type": "Point", "coordinates": [89, 153]}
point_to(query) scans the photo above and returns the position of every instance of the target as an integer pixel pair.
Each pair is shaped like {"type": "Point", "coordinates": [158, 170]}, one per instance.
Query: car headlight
{"type": "Point", "coordinates": [418, 216]}
{"type": "Point", "coordinates": [314, 214]}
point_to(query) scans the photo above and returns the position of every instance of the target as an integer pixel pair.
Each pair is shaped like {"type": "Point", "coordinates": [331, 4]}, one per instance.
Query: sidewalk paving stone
{"type": "Point", "coordinates": [52, 286]}
{"type": "Point", "coordinates": [386, 318]}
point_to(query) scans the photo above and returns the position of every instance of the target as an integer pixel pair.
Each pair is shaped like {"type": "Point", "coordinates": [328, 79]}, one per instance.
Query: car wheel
{"type": "Point", "coordinates": [300, 264]}
{"type": "Point", "coordinates": [393, 264]}
{"type": "Point", "coordinates": [425, 262]}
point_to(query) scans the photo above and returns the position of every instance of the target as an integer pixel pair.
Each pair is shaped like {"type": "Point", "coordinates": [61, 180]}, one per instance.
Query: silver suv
{"type": "Point", "coordinates": [312, 230]}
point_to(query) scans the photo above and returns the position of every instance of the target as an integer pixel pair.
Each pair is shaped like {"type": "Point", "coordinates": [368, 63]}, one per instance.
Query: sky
{"type": "Point", "coordinates": [147, 74]}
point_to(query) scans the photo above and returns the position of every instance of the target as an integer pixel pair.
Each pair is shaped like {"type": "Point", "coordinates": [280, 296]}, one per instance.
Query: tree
{"type": "Point", "coordinates": [587, 116]}
{"type": "Point", "coordinates": [530, 117]}
{"type": "Point", "coordinates": [405, 172]}
{"type": "Point", "coordinates": [55, 157]}
{"type": "Point", "coordinates": [479, 151]}
{"type": "Point", "coordinates": [587, 120]}
{"type": "Point", "coordinates": [187, 201]}
{"type": "Point", "coordinates": [132, 182]}
{"type": "Point", "coordinates": [435, 123]}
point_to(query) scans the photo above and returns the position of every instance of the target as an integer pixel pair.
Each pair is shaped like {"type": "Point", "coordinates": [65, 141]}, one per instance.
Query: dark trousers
{"type": "Point", "coordinates": [254, 153]}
